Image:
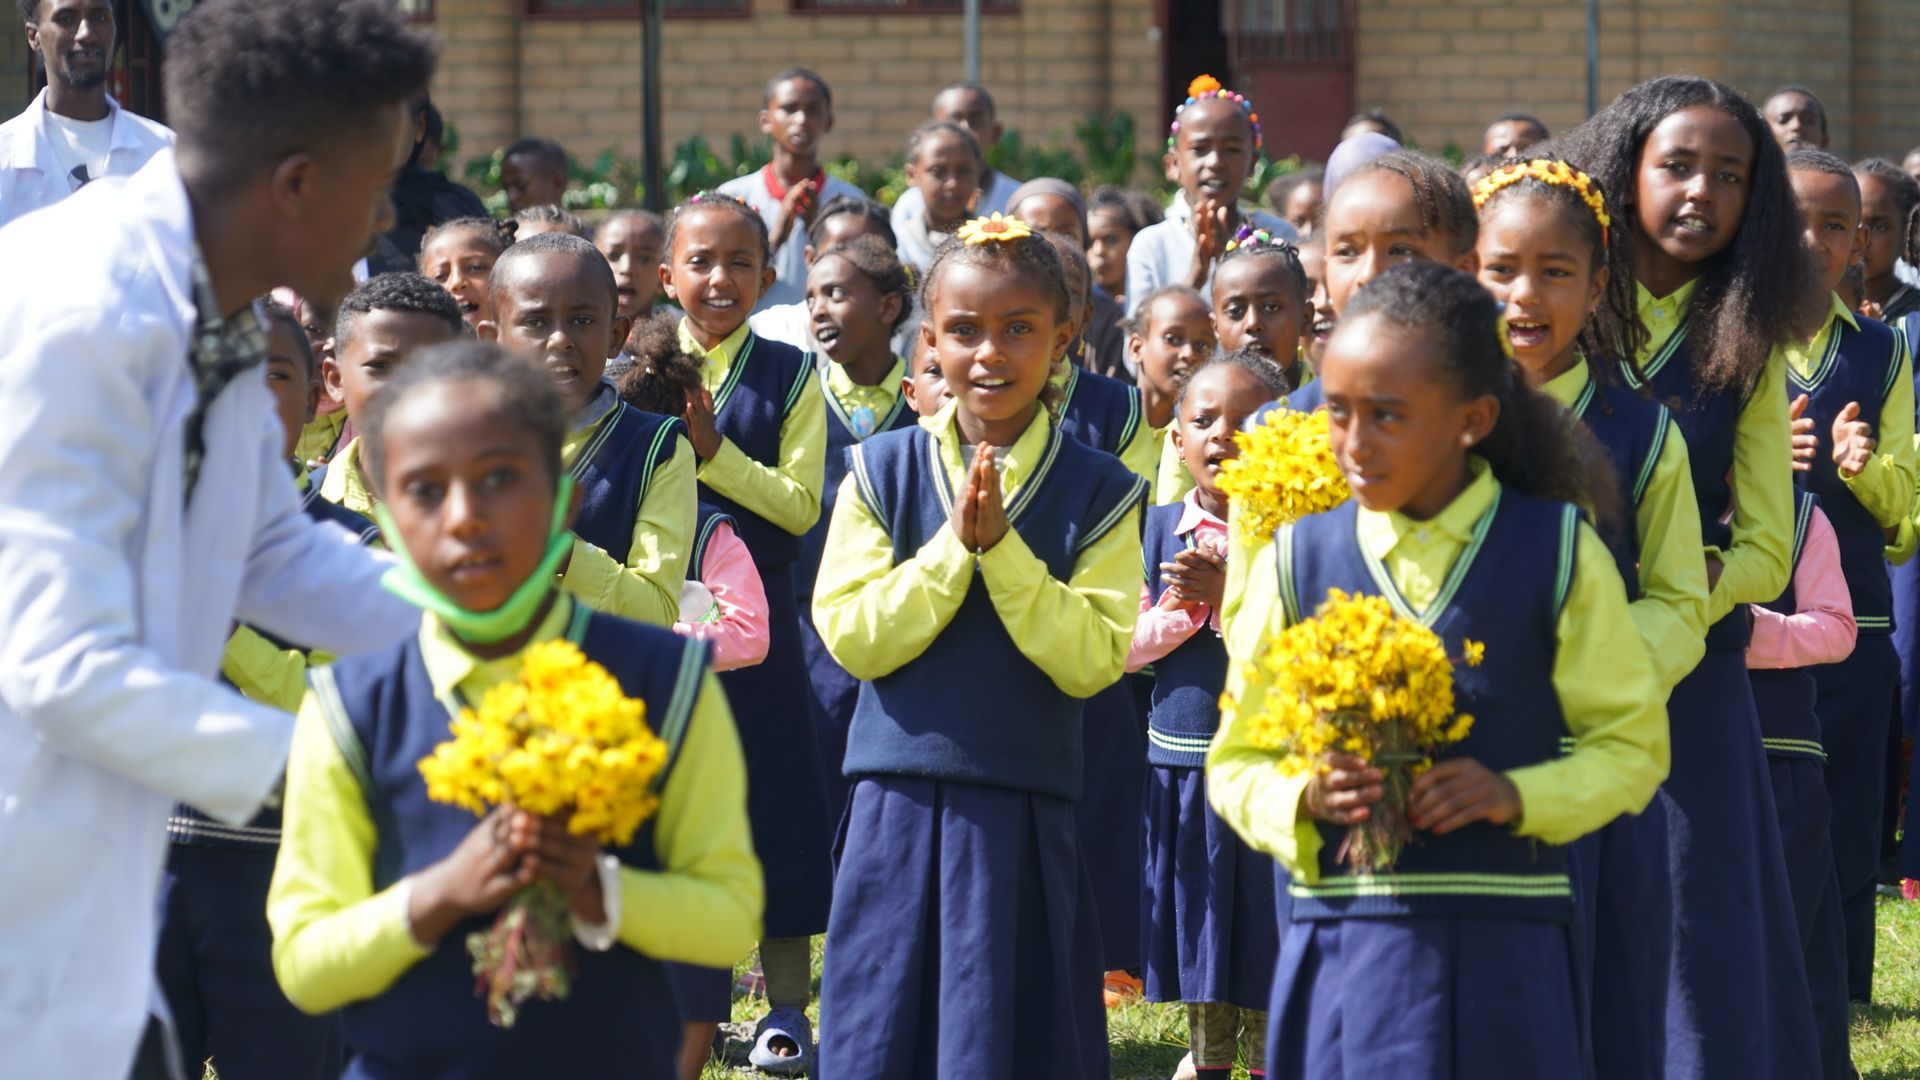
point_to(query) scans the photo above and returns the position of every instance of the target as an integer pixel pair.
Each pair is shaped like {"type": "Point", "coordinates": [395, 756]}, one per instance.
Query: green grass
{"type": "Point", "coordinates": [1149, 1040]}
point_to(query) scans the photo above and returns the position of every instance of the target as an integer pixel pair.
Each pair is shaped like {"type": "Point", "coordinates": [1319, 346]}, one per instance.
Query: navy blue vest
{"type": "Point", "coordinates": [620, 1017]}
{"type": "Point", "coordinates": [840, 438]}
{"type": "Point", "coordinates": [1100, 411]}
{"type": "Point", "coordinates": [706, 520]}
{"type": "Point", "coordinates": [1506, 589]}
{"type": "Point", "coordinates": [762, 386]}
{"type": "Point", "coordinates": [1187, 681]}
{"type": "Point", "coordinates": [320, 509]}
{"type": "Point", "coordinates": [1858, 365]}
{"type": "Point", "coordinates": [614, 470]}
{"type": "Point", "coordinates": [1007, 725]}
{"type": "Point", "coordinates": [1707, 420]}
{"type": "Point", "coordinates": [1633, 429]}
{"type": "Point", "coordinates": [1784, 697]}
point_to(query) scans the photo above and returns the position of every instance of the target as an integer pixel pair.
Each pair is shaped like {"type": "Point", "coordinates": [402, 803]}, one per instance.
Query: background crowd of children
{"type": "Point", "coordinates": [935, 490]}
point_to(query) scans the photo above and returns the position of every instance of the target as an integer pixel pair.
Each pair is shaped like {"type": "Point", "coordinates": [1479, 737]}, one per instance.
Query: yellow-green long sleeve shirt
{"type": "Point", "coordinates": [875, 616]}
{"type": "Point", "coordinates": [336, 941]}
{"type": "Point", "coordinates": [646, 588]}
{"type": "Point", "coordinates": [1671, 611]}
{"type": "Point", "coordinates": [345, 485]}
{"type": "Point", "coordinates": [263, 671]}
{"type": "Point", "coordinates": [1608, 693]}
{"type": "Point", "coordinates": [1172, 481]}
{"type": "Point", "coordinates": [1757, 565]}
{"type": "Point", "coordinates": [1885, 487]}
{"type": "Point", "coordinates": [1141, 452]}
{"type": "Point", "coordinates": [787, 494]}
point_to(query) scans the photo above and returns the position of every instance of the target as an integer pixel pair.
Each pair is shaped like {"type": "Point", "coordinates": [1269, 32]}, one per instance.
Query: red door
{"type": "Point", "coordinates": [1294, 58]}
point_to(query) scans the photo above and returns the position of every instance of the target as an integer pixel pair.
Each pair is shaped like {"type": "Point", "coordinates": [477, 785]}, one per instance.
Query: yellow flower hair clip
{"type": "Point", "coordinates": [1554, 174]}
{"type": "Point", "coordinates": [993, 230]}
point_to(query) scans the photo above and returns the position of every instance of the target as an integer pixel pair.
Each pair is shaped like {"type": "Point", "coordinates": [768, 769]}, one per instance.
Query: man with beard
{"type": "Point", "coordinates": [73, 132]}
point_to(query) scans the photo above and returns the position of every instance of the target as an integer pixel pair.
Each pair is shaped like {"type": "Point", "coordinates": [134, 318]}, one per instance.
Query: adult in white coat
{"type": "Point", "coordinates": [74, 132]}
{"type": "Point", "coordinates": [143, 503]}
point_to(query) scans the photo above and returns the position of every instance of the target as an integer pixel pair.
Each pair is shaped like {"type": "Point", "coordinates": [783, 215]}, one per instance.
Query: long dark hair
{"type": "Point", "coordinates": [1536, 446]}
{"type": "Point", "coordinates": [1750, 295]}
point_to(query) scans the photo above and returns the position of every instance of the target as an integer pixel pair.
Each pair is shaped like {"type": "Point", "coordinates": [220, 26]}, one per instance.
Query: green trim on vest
{"type": "Point", "coordinates": [1455, 575]}
{"type": "Point", "coordinates": [1527, 886]}
{"type": "Point", "coordinates": [326, 694]}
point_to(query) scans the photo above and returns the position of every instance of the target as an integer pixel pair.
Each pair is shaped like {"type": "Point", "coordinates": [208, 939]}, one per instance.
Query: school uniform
{"type": "Point", "coordinates": [359, 826]}
{"type": "Point", "coordinates": [1622, 887]}
{"type": "Point", "coordinates": [762, 191]}
{"type": "Point", "coordinates": [767, 477]}
{"type": "Point", "coordinates": [910, 209]}
{"type": "Point", "coordinates": [1856, 359]}
{"type": "Point", "coordinates": [1461, 961]}
{"type": "Point", "coordinates": [964, 942]}
{"type": "Point", "coordinates": [1737, 999]}
{"type": "Point", "coordinates": [1208, 927]}
{"type": "Point", "coordinates": [1108, 416]}
{"type": "Point", "coordinates": [723, 602]}
{"type": "Point", "coordinates": [855, 413]}
{"type": "Point", "coordinates": [319, 438]}
{"type": "Point", "coordinates": [1162, 253]}
{"type": "Point", "coordinates": [1811, 623]}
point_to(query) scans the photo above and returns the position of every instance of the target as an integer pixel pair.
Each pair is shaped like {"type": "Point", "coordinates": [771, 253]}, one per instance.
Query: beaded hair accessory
{"type": "Point", "coordinates": [1202, 88]}
{"type": "Point", "coordinates": [1554, 173]}
{"type": "Point", "coordinates": [1250, 237]}
{"type": "Point", "coordinates": [993, 230]}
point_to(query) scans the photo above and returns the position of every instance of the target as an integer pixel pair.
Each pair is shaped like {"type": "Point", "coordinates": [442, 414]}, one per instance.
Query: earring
{"type": "Point", "coordinates": [1466, 438]}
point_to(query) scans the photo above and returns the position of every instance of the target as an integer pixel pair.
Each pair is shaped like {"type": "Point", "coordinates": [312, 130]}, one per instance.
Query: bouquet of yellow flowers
{"type": "Point", "coordinates": [562, 739]}
{"type": "Point", "coordinates": [1358, 678]}
{"type": "Point", "coordinates": [1285, 471]}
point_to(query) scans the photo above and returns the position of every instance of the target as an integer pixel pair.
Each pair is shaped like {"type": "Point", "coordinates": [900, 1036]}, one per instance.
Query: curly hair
{"type": "Point", "coordinates": [1260, 366]}
{"type": "Point", "coordinates": [496, 235]}
{"type": "Point", "coordinates": [803, 74]}
{"type": "Point", "coordinates": [403, 292]}
{"type": "Point", "coordinates": [1445, 204]}
{"type": "Point", "coordinates": [527, 396]}
{"type": "Point", "coordinates": [558, 243]}
{"type": "Point", "coordinates": [1138, 325]}
{"type": "Point", "coordinates": [1534, 447]}
{"type": "Point", "coordinates": [879, 264]}
{"type": "Point", "coordinates": [1751, 295]}
{"type": "Point", "coordinates": [1613, 334]}
{"type": "Point", "coordinates": [877, 221]}
{"type": "Point", "coordinates": [1906, 194]}
{"type": "Point", "coordinates": [541, 153]}
{"type": "Point", "coordinates": [713, 201]}
{"type": "Point", "coordinates": [248, 84]}
{"type": "Point", "coordinates": [561, 219]}
{"type": "Point", "coordinates": [1276, 249]}
{"type": "Point", "coordinates": [663, 377]}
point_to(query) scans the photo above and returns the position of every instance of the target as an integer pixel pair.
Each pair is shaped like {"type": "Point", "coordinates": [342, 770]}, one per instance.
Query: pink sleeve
{"type": "Point", "coordinates": [739, 633]}
{"type": "Point", "coordinates": [1821, 629]}
{"type": "Point", "coordinates": [1162, 628]}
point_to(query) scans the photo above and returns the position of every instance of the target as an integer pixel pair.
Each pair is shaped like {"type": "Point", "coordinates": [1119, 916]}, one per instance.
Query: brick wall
{"type": "Point", "coordinates": [14, 59]}
{"type": "Point", "coordinates": [578, 80]}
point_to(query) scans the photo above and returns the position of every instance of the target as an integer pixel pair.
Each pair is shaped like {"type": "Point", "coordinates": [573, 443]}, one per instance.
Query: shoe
{"type": "Point", "coordinates": [791, 1026]}
{"type": "Point", "coordinates": [1123, 989]}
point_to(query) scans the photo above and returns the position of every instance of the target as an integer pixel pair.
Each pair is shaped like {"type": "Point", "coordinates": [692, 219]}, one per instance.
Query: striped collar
{"type": "Point", "coordinates": [454, 671]}
{"type": "Point", "coordinates": [1810, 362]}
{"type": "Point", "coordinates": [1026, 460]}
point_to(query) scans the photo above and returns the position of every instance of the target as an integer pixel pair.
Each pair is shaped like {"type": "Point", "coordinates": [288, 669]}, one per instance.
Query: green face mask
{"type": "Point", "coordinates": [481, 627]}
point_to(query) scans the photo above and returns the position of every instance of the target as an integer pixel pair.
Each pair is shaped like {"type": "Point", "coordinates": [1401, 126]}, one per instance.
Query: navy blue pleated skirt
{"type": "Point", "coordinates": [1622, 909]}
{"type": "Point", "coordinates": [786, 791]}
{"type": "Point", "coordinates": [1209, 928]}
{"type": "Point", "coordinates": [1113, 749]}
{"type": "Point", "coordinates": [1855, 707]}
{"type": "Point", "coordinates": [1737, 1000]}
{"type": "Point", "coordinates": [963, 941]}
{"type": "Point", "coordinates": [1425, 998]}
{"type": "Point", "coordinates": [1803, 809]}
{"type": "Point", "coordinates": [830, 701]}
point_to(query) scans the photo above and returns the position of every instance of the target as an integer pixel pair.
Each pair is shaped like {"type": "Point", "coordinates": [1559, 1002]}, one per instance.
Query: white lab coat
{"type": "Point", "coordinates": [30, 173]}
{"type": "Point", "coordinates": [115, 604]}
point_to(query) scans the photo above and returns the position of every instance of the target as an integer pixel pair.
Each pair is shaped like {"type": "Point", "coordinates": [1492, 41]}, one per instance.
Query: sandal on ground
{"type": "Point", "coordinates": [791, 1027]}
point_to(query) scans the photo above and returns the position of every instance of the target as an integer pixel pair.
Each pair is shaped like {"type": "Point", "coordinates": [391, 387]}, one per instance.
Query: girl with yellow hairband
{"type": "Point", "coordinates": [1544, 233]}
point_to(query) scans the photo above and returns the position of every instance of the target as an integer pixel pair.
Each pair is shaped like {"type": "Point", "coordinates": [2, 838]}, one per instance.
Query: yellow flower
{"type": "Point", "coordinates": [993, 230]}
{"type": "Point", "coordinates": [1285, 471]}
{"type": "Point", "coordinates": [1474, 651]}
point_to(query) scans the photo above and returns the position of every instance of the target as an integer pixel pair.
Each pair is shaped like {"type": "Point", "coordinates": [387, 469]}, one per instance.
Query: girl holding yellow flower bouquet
{"type": "Point", "coordinates": [385, 869]}
{"type": "Point", "coordinates": [1457, 959]}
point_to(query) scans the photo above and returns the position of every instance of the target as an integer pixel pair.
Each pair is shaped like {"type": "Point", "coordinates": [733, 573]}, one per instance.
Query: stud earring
{"type": "Point", "coordinates": [1466, 438]}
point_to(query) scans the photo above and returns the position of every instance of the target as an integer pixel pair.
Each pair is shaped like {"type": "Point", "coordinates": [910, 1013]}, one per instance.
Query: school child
{"type": "Point", "coordinates": [1372, 122]}
{"type": "Point", "coordinates": [632, 241]}
{"type": "Point", "coordinates": [971, 106]}
{"type": "Point", "coordinates": [964, 936]}
{"type": "Point", "coordinates": [797, 113]}
{"type": "Point", "coordinates": [1313, 338]}
{"type": "Point", "coordinates": [533, 172]}
{"type": "Point", "coordinates": [1511, 134]}
{"type": "Point", "coordinates": [840, 221]}
{"type": "Point", "coordinates": [943, 165]}
{"type": "Point", "coordinates": [554, 302]}
{"type": "Point", "coordinates": [1479, 167]}
{"type": "Point", "coordinates": [459, 254]}
{"type": "Point", "coordinates": [761, 440]}
{"type": "Point", "coordinates": [859, 294]}
{"type": "Point", "coordinates": [1209, 926]}
{"type": "Point", "coordinates": [1113, 220]}
{"type": "Point", "coordinates": [1888, 197]}
{"type": "Point", "coordinates": [377, 887]}
{"type": "Point", "coordinates": [1055, 206]}
{"type": "Point", "coordinates": [1796, 118]}
{"type": "Point", "coordinates": [1297, 197]}
{"type": "Point", "coordinates": [1461, 962]}
{"type": "Point", "coordinates": [1809, 624]}
{"type": "Point", "coordinates": [1213, 145]}
{"type": "Point", "coordinates": [321, 433]}
{"type": "Point", "coordinates": [380, 325]}
{"type": "Point", "coordinates": [214, 961]}
{"type": "Point", "coordinates": [1720, 277]}
{"type": "Point", "coordinates": [1101, 411]}
{"type": "Point", "coordinates": [924, 388]}
{"type": "Point", "coordinates": [1171, 336]}
{"type": "Point", "coordinates": [1051, 205]}
{"type": "Point", "coordinates": [1260, 301]}
{"type": "Point", "coordinates": [1852, 378]}
{"type": "Point", "coordinates": [1545, 228]}
{"type": "Point", "coordinates": [549, 218]}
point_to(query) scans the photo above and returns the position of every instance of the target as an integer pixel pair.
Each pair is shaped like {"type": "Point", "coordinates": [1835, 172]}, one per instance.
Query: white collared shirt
{"type": "Point", "coordinates": [31, 174]}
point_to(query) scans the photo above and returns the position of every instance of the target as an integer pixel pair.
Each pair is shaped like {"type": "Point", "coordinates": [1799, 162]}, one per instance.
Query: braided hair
{"type": "Point", "coordinates": [1252, 243]}
{"type": "Point", "coordinates": [1906, 195]}
{"type": "Point", "coordinates": [879, 264]}
{"type": "Point", "coordinates": [1261, 367]}
{"type": "Point", "coordinates": [494, 235]}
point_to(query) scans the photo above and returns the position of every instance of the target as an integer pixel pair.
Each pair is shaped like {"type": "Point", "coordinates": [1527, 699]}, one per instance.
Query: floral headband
{"type": "Point", "coordinates": [993, 230]}
{"type": "Point", "coordinates": [1250, 237]}
{"type": "Point", "coordinates": [1204, 87]}
{"type": "Point", "coordinates": [1554, 173]}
